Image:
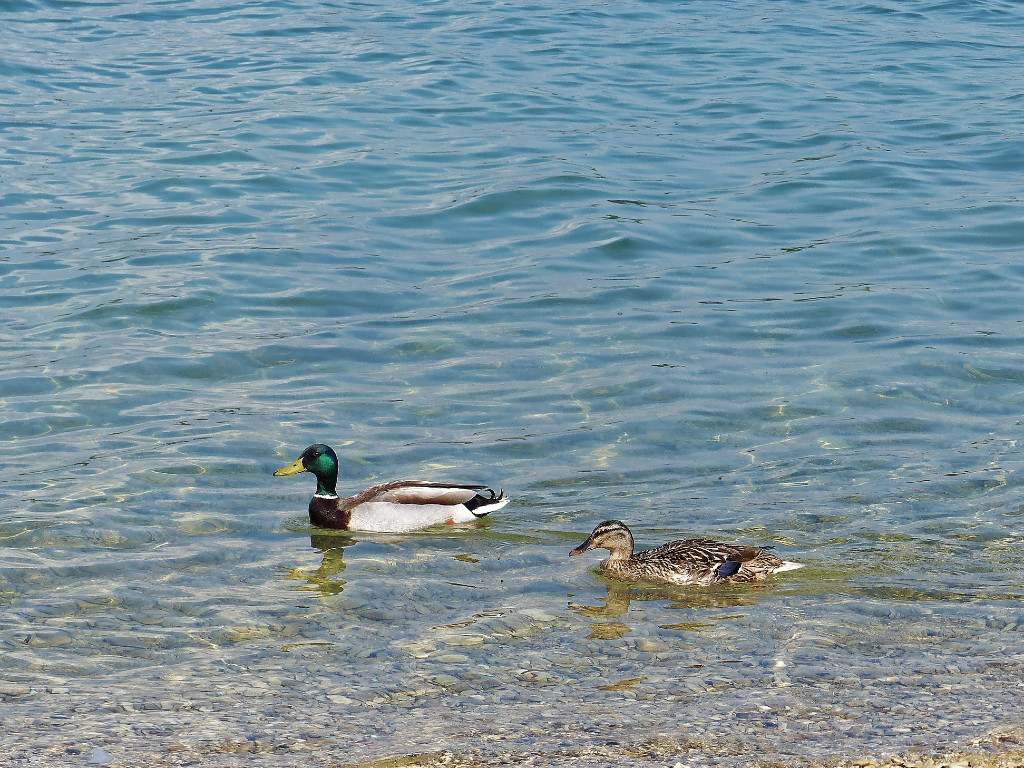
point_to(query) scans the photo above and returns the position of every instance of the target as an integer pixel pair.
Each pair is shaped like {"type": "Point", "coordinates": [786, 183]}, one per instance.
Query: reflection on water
{"type": "Point", "coordinates": [323, 579]}
{"type": "Point", "coordinates": [699, 599]}
{"type": "Point", "coordinates": [325, 541]}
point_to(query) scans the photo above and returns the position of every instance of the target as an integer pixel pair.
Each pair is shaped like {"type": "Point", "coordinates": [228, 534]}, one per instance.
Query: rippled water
{"type": "Point", "coordinates": [731, 269]}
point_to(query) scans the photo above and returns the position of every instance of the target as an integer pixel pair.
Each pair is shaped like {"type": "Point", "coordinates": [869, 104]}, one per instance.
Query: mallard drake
{"type": "Point", "coordinates": [396, 507]}
{"type": "Point", "coordinates": [693, 561]}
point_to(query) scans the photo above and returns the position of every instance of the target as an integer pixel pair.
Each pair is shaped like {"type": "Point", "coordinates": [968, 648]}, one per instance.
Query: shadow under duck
{"type": "Point", "coordinates": [395, 507]}
{"type": "Point", "coordinates": [699, 562]}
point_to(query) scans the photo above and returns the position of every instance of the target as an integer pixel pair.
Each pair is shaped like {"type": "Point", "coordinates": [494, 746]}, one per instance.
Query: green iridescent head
{"type": "Point", "coordinates": [322, 461]}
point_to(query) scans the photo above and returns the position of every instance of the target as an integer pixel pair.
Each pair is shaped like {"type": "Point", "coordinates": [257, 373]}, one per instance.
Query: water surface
{"type": "Point", "coordinates": [733, 270]}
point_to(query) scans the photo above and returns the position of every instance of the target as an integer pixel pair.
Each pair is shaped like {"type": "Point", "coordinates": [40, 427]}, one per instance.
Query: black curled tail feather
{"type": "Point", "coordinates": [480, 500]}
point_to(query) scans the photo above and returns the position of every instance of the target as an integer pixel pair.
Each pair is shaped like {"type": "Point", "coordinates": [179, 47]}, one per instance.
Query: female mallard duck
{"type": "Point", "coordinates": [693, 561]}
{"type": "Point", "coordinates": [396, 507]}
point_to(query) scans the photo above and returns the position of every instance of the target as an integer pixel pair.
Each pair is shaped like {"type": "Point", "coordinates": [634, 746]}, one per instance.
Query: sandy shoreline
{"type": "Point", "coordinates": [1002, 749]}
{"type": "Point", "coordinates": [648, 755]}
{"type": "Point", "coordinates": [640, 757]}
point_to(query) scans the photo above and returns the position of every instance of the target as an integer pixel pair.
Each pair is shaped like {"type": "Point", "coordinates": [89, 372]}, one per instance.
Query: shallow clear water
{"type": "Point", "coordinates": [733, 270]}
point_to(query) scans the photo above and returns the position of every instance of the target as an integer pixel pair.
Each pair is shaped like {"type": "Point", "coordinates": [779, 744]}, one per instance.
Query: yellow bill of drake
{"type": "Point", "coordinates": [292, 469]}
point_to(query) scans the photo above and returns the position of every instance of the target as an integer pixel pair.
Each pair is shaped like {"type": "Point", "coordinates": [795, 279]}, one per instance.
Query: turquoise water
{"type": "Point", "coordinates": [742, 270]}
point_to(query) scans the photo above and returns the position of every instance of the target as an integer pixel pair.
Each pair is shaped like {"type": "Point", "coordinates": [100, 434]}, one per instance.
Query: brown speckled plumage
{"type": "Point", "coordinates": [689, 562]}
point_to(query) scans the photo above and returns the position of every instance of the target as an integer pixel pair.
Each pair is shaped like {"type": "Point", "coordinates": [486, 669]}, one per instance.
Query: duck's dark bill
{"type": "Point", "coordinates": [292, 469]}
{"type": "Point", "coordinates": [586, 546]}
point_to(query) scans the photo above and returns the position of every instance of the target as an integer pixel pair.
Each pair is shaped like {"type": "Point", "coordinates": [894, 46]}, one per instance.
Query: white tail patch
{"type": "Point", "coordinates": [788, 566]}
{"type": "Point", "coordinates": [487, 507]}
